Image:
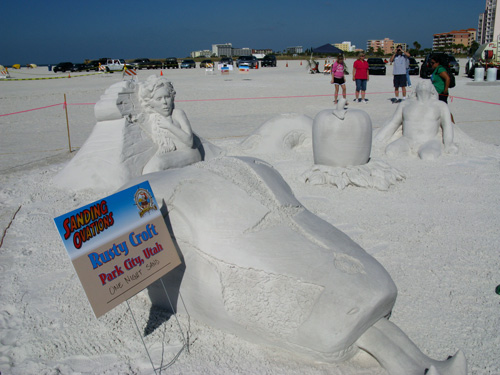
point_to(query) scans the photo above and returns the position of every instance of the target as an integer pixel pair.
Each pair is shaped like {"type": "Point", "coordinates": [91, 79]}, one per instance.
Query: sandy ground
{"type": "Point", "coordinates": [436, 232]}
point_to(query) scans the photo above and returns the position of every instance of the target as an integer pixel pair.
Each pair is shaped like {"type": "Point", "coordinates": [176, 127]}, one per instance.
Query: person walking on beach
{"type": "Point", "coordinates": [440, 79]}
{"type": "Point", "coordinates": [361, 75]}
{"type": "Point", "coordinates": [338, 78]}
{"type": "Point", "coordinates": [399, 58]}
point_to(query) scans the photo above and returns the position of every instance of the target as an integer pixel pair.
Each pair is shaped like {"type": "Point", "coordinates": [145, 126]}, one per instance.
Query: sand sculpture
{"type": "Point", "coordinates": [288, 132]}
{"type": "Point", "coordinates": [421, 119]}
{"type": "Point", "coordinates": [138, 131]}
{"type": "Point", "coordinates": [272, 272]}
{"type": "Point", "coordinates": [256, 263]}
{"type": "Point", "coordinates": [170, 129]}
{"type": "Point", "coordinates": [342, 141]}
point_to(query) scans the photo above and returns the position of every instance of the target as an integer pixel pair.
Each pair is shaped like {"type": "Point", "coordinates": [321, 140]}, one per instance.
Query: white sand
{"type": "Point", "coordinates": [436, 232]}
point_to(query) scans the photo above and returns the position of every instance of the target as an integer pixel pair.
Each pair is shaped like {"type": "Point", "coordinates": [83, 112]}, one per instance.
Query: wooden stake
{"type": "Point", "coordinates": [67, 122]}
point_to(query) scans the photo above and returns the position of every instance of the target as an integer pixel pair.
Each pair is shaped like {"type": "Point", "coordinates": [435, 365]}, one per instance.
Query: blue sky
{"type": "Point", "coordinates": [53, 31]}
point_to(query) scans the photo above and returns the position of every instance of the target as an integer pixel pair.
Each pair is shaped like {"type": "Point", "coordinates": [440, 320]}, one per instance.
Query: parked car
{"type": "Point", "coordinates": [204, 63]}
{"type": "Point", "coordinates": [94, 64]}
{"type": "Point", "coordinates": [414, 68]}
{"type": "Point", "coordinates": [188, 64]}
{"type": "Point", "coordinates": [145, 63]}
{"type": "Point", "coordinates": [226, 61]}
{"type": "Point", "coordinates": [171, 62]}
{"type": "Point", "coordinates": [63, 67]}
{"type": "Point", "coordinates": [79, 67]}
{"type": "Point", "coordinates": [376, 65]}
{"type": "Point", "coordinates": [449, 61]}
{"type": "Point", "coordinates": [251, 61]}
{"type": "Point", "coordinates": [268, 60]}
{"type": "Point", "coordinates": [454, 65]}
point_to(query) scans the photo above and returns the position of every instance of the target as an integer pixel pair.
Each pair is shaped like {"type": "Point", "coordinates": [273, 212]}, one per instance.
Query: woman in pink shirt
{"type": "Point", "coordinates": [338, 77]}
{"type": "Point", "coordinates": [361, 75]}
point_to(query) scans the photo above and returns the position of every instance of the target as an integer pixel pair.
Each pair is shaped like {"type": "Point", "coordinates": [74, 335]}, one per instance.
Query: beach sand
{"type": "Point", "coordinates": [436, 232]}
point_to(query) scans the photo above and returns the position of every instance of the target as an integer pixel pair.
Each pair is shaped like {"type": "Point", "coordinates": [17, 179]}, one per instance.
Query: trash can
{"type": "Point", "coordinates": [50, 67]}
{"type": "Point", "coordinates": [491, 74]}
{"type": "Point", "coordinates": [479, 74]}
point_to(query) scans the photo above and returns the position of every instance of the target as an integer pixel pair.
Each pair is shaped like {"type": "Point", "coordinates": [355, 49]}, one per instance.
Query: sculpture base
{"type": "Point", "coordinates": [374, 174]}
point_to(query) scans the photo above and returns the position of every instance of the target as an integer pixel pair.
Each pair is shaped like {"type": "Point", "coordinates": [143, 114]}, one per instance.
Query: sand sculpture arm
{"type": "Point", "coordinates": [388, 130]}
{"type": "Point", "coordinates": [180, 127]}
{"type": "Point", "coordinates": [447, 127]}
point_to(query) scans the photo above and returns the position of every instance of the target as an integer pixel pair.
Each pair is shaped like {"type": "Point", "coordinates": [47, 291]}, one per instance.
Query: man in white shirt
{"type": "Point", "coordinates": [399, 58]}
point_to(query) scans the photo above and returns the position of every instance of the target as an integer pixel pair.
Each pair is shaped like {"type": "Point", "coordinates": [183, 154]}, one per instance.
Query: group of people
{"type": "Point", "coordinates": [400, 60]}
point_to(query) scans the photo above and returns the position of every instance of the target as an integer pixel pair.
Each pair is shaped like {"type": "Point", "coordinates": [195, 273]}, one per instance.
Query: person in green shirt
{"type": "Point", "coordinates": [440, 80]}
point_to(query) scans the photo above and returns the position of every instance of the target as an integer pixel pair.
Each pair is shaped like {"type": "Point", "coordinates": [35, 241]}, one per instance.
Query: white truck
{"type": "Point", "coordinates": [114, 65]}
{"type": "Point", "coordinates": [486, 56]}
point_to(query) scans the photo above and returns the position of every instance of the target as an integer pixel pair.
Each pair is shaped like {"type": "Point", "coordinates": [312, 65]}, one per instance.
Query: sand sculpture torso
{"type": "Point", "coordinates": [426, 125]}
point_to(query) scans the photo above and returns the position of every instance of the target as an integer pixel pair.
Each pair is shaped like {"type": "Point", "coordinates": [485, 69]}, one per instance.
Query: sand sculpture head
{"type": "Point", "coordinates": [424, 90]}
{"type": "Point", "coordinates": [157, 94]}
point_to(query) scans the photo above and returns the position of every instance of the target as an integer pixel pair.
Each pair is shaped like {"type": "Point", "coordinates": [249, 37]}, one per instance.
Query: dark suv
{"type": "Point", "coordinates": [63, 67]}
{"type": "Point", "coordinates": [268, 60]}
{"type": "Point", "coordinates": [145, 64]}
{"type": "Point", "coordinates": [414, 69]}
{"type": "Point", "coordinates": [171, 62]}
{"type": "Point", "coordinates": [376, 66]}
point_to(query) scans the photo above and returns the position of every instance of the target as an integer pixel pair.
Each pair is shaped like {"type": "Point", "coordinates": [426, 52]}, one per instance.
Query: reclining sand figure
{"type": "Point", "coordinates": [138, 131]}
{"type": "Point", "coordinates": [421, 118]}
{"type": "Point", "coordinates": [259, 265]}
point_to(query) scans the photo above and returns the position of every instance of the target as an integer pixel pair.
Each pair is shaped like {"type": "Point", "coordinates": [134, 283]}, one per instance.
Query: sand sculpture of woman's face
{"type": "Point", "coordinates": [162, 102]}
{"type": "Point", "coordinates": [157, 94]}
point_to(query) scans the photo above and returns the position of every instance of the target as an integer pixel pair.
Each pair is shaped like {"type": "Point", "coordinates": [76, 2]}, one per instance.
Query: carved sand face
{"type": "Point", "coordinates": [162, 102]}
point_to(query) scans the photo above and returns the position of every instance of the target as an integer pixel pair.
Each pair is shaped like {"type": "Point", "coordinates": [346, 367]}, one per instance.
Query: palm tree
{"type": "Point", "coordinates": [417, 45]}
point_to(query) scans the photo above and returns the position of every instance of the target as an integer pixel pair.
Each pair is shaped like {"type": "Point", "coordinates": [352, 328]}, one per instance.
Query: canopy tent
{"type": "Point", "coordinates": [327, 48]}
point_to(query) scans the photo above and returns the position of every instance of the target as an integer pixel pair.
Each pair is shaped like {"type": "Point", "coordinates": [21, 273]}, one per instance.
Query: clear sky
{"type": "Point", "coordinates": [55, 30]}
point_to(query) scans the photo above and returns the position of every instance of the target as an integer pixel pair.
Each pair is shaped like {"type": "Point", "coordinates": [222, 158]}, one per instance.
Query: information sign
{"type": "Point", "coordinates": [118, 246]}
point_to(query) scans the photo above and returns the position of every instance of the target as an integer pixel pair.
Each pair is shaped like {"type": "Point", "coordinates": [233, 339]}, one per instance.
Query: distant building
{"type": "Point", "coordinates": [228, 50]}
{"type": "Point", "coordinates": [455, 37]}
{"type": "Point", "coordinates": [222, 49]}
{"type": "Point", "coordinates": [203, 53]}
{"type": "Point", "coordinates": [241, 51]}
{"type": "Point", "coordinates": [386, 45]}
{"type": "Point", "coordinates": [345, 46]}
{"type": "Point", "coordinates": [262, 51]}
{"type": "Point", "coordinates": [488, 27]}
{"type": "Point", "coordinates": [294, 50]}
